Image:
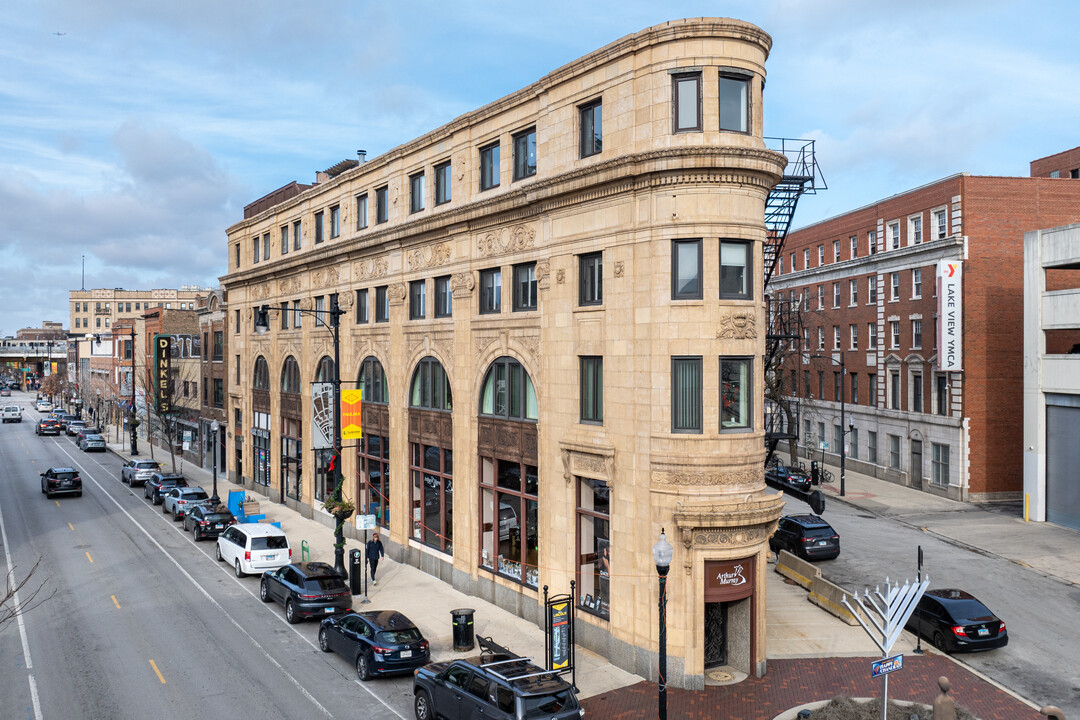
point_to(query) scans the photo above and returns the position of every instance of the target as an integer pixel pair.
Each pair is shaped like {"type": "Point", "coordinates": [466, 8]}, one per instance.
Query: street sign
{"type": "Point", "coordinates": [887, 665]}
{"type": "Point", "coordinates": [365, 522]}
{"type": "Point", "coordinates": [823, 445]}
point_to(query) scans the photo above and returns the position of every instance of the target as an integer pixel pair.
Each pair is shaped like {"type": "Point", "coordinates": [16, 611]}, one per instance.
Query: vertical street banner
{"type": "Point", "coordinates": [322, 415]}
{"type": "Point", "coordinates": [351, 406]}
{"type": "Point", "coordinates": [559, 617]}
{"type": "Point", "coordinates": [950, 328]}
{"type": "Point", "coordinates": [162, 373]}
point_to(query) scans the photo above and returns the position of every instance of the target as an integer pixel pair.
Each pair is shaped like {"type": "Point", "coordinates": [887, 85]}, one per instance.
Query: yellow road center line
{"type": "Point", "coordinates": [115, 601]}
{"type": "Point", "coordinates": [71, 526]}
{"type": "Point", "coordinates": [88, 556]}
{"type": "Point", "coordinates": [158, 672]}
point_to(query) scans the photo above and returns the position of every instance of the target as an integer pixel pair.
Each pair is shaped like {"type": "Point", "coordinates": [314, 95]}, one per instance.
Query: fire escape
{"type": "Point", "coordinates": [783, 335]}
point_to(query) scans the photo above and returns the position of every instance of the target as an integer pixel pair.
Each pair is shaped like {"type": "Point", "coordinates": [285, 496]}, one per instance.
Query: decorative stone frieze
{"type": "Point", "coordinates": [737, 325]}
{"type": "Point", "coordinates": [505, 240]}
{"type": "Point", "coordinates": [324, 277]}
{"type": "Point", "coordinates": [718, 476]}
{"type": "Point", "coordinates": [429, 256]}
{"type": "Point", "coordinates": [370, 269]}
{"type": "Point", "coordinates": [587, 460]}
{"type": "Point", "coordinates": [262, 291]}
{"type": "Point", "coordinates": [462, 284]}
{"type": "Point", "coordinates": [290, 286]}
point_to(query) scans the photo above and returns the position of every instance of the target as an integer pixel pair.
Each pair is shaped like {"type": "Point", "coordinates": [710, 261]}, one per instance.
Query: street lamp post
{"type": "Point", "coordinates": [214, 427]}
{"type": "Point", "coordinates": [662, 554]}
{"type": "Point", "coordinates": [843, 424]}
{"type": "Point", "coordinates": [262, 324]}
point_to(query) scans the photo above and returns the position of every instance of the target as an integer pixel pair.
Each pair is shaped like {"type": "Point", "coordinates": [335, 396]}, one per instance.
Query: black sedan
{"type": "Point", "coordinates": [207, 522]}
{"type": "Point", "coordinates": [957, 622]}
{"type": "Point", "coordinates": [306, 589]}
{"type": "Point", "coordinates": [377, 642]}
{"type": "Point", "coordinates": [788, 475]}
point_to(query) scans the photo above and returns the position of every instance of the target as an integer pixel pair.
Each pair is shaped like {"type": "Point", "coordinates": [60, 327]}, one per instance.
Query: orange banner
{"type": "Point", "coordinates": [351, 402]}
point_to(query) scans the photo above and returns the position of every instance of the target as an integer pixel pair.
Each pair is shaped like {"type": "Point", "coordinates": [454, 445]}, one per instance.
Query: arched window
{"type": "Point", "coordinates": [262, 374]}
{"type": "Point", "coordinates": [430, 387]}
{"type": "Point", "coordinates": [325, 371]}
{"type": "Point", "coordinates": [373, 381]}
{"type": "Point", "coordinates": [508, 391]}
{"type": "Point", "coordinates": [290, 376]}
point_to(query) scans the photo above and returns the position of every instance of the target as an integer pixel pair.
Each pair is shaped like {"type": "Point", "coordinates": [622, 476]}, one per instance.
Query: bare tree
{"type": "Point", "coordinates": [9, 609]}
{"type": "Point", "coordinates": [170, 426]}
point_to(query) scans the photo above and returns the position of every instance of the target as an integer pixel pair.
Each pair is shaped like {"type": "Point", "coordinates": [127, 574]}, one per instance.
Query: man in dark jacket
{"type": "Point", "coordinates": [374, 552]}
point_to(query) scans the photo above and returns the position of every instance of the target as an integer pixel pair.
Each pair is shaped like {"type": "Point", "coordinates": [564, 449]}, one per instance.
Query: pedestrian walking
{"type": "Point", "coordinates": [374, 553]}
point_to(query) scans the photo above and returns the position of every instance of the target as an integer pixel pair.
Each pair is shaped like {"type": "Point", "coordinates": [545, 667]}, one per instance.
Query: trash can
{"type": "Point", "coordinates": [464, 638]}
{"type": "Point", "coordinates": [356, 570]}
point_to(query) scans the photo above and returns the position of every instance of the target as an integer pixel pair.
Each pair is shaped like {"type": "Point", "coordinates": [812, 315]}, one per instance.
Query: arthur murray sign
{"type": "Point", "coordinates": [950, 315]}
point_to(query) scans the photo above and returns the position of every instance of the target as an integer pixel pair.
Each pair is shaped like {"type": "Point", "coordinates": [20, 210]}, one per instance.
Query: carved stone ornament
{"type": "Point", "coordinates": [462, 284]}
{"type": "Point", "coordinates": [324, 277]}
{"type": "Point", "coordinates": [560, 276]}
{"type": "Point", "coordinates": [396, 293]}
{"type": "Point", "coordinates": [532, 344]}
{"type": "Point", "coordinates": [543, 274]}
{"type": "Point", "coordinates": [745, 523]}
{"type": "Point", "coordinates": [430, 256]}
{"type": "Point", "coordinates": [619, 268]}
{"type": "Point", "coordinates": [371, 268]}
{"type": "Point", "coordinates": [714, 477]}
{"type": "Point", "coordinates": [290, 286]}
{"type": "Point", "coordinates": [505, 240]}
{"type": "Point", "coordinates": [481, 343]}
{"type": "Point", "coordinates": [261, 291]}
{"type": "Point", "coordinates": [587, 460]}
{"type": "Point", "coordinates": [737, 325]}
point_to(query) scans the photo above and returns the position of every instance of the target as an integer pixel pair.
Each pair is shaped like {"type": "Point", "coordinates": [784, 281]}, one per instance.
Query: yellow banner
{"type": "Point", "coordinates": [351, 403]}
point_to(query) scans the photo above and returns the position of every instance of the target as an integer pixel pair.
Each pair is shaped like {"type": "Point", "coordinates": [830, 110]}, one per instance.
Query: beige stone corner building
{"type": "Point", "coordinates": [554, 306]}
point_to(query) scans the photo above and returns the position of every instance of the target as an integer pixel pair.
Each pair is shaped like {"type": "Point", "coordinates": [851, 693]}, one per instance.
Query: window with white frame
{"type": "Point", "coordinates": [854, 246]}
{"type": "Point", "coordinates": [939, 465]}
{"type": "Point", "coordinates": [871, 241]}
{"type": "Point", "coordinates": [853, 291]}
{"type": "Point", "coordinates": [914, 229]}
{"type": "Point", "coordinates": [854, 329]}
{"type": "Point", "coordinates": [836, 251]}
{"type": "Point", "coordinates": [806, 259]}
{"type": "Point", "coordinates": [894, 452]}
{"type": "Point", "coordinates": [871, 336]}
{"type": "Point", "coordinates": [916, 283]}
{"type": "Point", "coordinates": [820, 255]}
{"type": "Point", "coordinates": [894, 389]}
{"type": "Point", "coordinates": [821, 338]}
{"type": "Point", "coordinates": [894, 286]}
{"type": "Point", "coordinates": [836, 294]}
{"type": "Point", "coordinates": [894, 235]}
{"type": "Point", "coordinates": [916, 334]}
{"type": "Point", "coordinates": [941, 218]}
{"type": "Point", "coordinates": [793, 268]}
{"type": "Point", "coordinates": [871, 290]}
{"type": "Point", "coordinates": [894, 334]}
{"type": "Point", "coordinates": [820, 297]}
{"type": "Point", "coordinates": [836, 337]}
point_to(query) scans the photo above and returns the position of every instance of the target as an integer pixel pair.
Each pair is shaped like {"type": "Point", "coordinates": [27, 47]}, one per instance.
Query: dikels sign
{"type": "Point", "coordinates": [163, 373]}
{"type": "Point", "coordinates": [950, 329]}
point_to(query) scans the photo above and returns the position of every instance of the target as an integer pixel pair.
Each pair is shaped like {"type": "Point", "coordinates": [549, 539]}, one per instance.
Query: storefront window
{"type": "Point", "coordinates": [261, 444]}
{"type": "Point", "coordinates": [509, 513]}
{"type": "Point", "coordinates": [373, 460]}
{"type": "Point", "coordinates": [291, 449]}
{"type": "Point", "coordinates": [432, 496]}
{"type": "Point", "coordinates": [594, 546]}
{"type": "Point", "coordinates": [323, 486]}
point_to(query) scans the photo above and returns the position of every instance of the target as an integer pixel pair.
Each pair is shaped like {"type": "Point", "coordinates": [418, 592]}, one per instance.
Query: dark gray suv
{"type": "Point", "coordinates": [495, 686]}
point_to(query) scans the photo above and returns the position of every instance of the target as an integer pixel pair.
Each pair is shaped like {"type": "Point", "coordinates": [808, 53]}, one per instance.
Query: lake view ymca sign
{"type": "Point", "coordinates": [950, 312]}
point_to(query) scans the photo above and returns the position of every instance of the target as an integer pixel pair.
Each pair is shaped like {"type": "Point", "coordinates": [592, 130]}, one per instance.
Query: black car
{"type": "Point", "coordinates": [789, 475]}
{"type": "Point", "coordinates": [206, 522]}
{"type": "Point", "coordinates": [46, 426]}
{"type": "Point", "coordinates": [494, 686]}
{"type": "Point", "coordinates": [957, 622]}
{"type": "Point", "coordinates": [61, 480]}
{"type": "Point", "coordinates": [377, 642]}
{"type": "Point", "coordinates": [155, 488]}
{"type": "Point", "coordinates": [306, 589]}
{"type": "Point", "coordinates": [807, 536]}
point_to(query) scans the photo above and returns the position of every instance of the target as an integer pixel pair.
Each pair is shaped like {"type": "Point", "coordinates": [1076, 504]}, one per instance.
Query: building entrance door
{"type": "Point", "coordinates": [916, 463]}
{"type": "Point", "coordinates": [715, 634]}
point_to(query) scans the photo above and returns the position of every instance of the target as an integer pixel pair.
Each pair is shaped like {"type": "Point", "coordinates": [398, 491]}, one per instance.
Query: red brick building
{"type": "Point", "coordinates": [949, 423]}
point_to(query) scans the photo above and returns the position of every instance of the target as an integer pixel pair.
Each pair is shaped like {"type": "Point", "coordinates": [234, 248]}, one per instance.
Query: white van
{"type": "Point", "coordinates": [12, 413]}
{"type": "Point", "coordinates": [252, 548]}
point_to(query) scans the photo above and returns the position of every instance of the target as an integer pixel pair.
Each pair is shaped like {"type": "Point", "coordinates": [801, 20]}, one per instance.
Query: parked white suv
{"type": "Point", "coordinates": [253, 548]}
{"type": "Point", "coordinates": [12, 413]}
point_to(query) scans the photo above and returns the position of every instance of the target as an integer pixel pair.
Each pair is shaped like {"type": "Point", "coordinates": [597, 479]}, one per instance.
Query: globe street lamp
{"type": "Point", "coordinates": [662, 553]}
{"type": "Point", "coordinates": [214, 427]}
{"type": "Point", "coordinates": [262, 325]}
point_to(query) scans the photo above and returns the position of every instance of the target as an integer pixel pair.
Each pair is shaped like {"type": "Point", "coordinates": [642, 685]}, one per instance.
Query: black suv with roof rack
{"type": "Point", "coordinates": [496, 686]}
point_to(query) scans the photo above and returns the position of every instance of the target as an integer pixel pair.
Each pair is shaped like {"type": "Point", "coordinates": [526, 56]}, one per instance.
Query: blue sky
{"type": "Point", "coordinates": [136, 137]}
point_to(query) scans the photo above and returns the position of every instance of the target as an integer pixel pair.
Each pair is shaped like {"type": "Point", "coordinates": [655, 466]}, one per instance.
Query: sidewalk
{"type": "Point", "coordinates": [811, 655]}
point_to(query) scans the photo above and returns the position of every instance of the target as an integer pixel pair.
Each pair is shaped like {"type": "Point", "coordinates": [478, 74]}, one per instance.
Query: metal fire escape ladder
{"type": "Point", "coordinates": [783, 337]}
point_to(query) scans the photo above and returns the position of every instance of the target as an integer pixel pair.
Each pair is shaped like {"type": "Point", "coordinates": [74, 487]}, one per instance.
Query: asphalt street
{"type": "Point", "coordinates": [1042, 613]}
{"type": "Point", "coordinates": [139, 620]}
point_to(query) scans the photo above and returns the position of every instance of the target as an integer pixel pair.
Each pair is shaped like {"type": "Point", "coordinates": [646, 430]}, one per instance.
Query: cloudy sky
{"type": "Point", "coordinates": [134, 132]}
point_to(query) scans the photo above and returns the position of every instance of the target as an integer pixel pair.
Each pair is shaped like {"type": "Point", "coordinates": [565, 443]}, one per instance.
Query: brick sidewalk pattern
{"type": "Point", "coordinates": [790, 683]}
